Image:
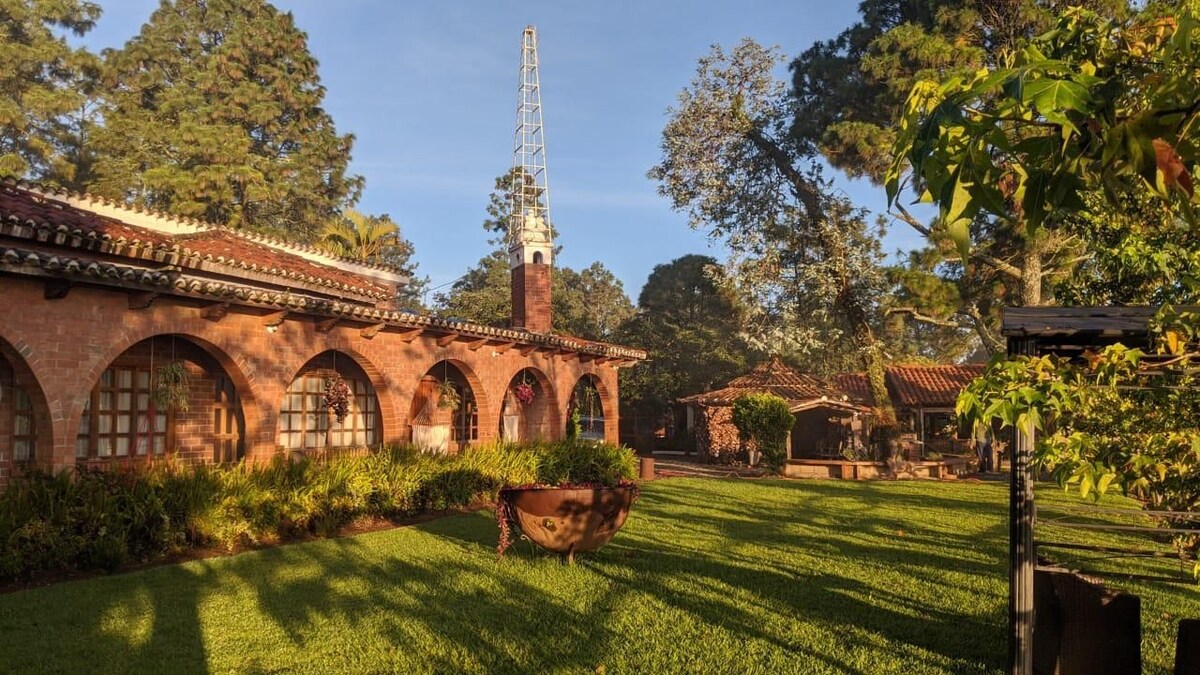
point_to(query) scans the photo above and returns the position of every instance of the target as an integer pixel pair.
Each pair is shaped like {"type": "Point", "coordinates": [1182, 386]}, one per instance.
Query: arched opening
{"type": "Point", "coordinates": [585, 410]}
{"type": "Point", "coordinates": [445, 410]}
{"type": "Point", "coordinates": [538, 258]}
{"type": "Point", "coordinates": [528, 411]}
{"type": "Point", "coordinates": [163, 395]}
{"type": "Point", "coordinates": [20, 410]}
{"type": "Point", "coordinates": [330, 404]}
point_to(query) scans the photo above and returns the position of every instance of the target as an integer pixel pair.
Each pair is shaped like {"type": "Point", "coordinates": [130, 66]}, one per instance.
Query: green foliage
{"type": "Point", "coordinates": [102, 519]}
{"type": "Point", "coordinates": [1095, 103]}
{"type": "Point", "coordinates": [1121, 418]}
{"type": "Point", "coordinates": [214, 111]}
{"type": "Point", "coordinates": [689, 323]}
{"type": "Point", "coordinates": [806, 264]}
{"type": "Point", "coordinates": [584, 463]}
{"type": "Point", "coordinates": [765, 420]}
{"type": "Point", "coordinates": [44, 88]}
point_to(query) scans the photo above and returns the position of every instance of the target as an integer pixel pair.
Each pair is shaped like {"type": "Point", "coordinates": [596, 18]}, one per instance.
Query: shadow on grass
{"type": "Point", "coordinates": [762, 564]}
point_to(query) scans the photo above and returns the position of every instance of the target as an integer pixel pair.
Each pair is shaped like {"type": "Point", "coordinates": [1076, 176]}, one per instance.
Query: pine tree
{"type": "Point", "coordinates": [42, 84]}
{"type": "Point", "coordinates": [215, 112]}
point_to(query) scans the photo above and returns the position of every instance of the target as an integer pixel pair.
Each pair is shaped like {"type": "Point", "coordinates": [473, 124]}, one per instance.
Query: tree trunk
{"type": "Point", "coordinates": [1031, 273]}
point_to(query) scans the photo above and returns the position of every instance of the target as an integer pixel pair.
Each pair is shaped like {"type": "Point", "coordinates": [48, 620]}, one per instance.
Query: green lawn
{"type": "Point", "coordinates": [708, 575]}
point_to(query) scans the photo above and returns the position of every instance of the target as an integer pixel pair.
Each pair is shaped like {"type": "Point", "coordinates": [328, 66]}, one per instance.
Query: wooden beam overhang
{"type": "Point", "coordinates": [526, 350]}
{"type": "Point", "coordinates": [474, 345]}
{"type": "Point", "coordinates": [372, 330]}
{"type": "Point", "coordinates": [327, 325]}
{"type": "Point", "coordinates": [274, 319]}
{"type": "Point", "coordinates": [410, 334]}
{"type": "Point", "coordinates": [446, 339]}
{"type": "Point", "coordinates": [142, 299]}
{"type": "Point", "coordinates": [215, 312]}
{"type": "Point", "coordinates": [503, 347]}
{"type": "Point", "coordinates": [56, 289]}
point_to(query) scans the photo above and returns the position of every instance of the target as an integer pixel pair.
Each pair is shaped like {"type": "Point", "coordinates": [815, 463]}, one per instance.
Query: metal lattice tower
{"type": "Point", "coordinates": [530, 195]}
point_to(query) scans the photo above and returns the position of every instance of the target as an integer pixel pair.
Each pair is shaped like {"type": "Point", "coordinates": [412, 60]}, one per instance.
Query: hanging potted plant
{"type": "Point", "coordinates": [448, 397]}
{"type": "Point", "coordinates": [171, 383]}
{"type": "Point", "coordinates": [582, 496]}
{"type": "Point", "coordinates": [337, 397]}
{"type": "Point", "coordinates": [523, 393]}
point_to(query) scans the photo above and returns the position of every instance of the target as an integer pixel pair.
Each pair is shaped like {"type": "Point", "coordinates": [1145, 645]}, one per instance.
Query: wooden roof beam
{"type": "Point", "coordinates": [446, 339]}
{"type": "Point", "coordinates": [142, 299]}
{"type": "Point", "coordinates": [327, 325]}
{"type": "Point", "coordinates": [215, 312]}
{"type": "Point", "coordinates": [371, 331]}
{"type": "Point", "coordinates": [410, 334]}
{"type": "Point", "coordinates": [274, 319]}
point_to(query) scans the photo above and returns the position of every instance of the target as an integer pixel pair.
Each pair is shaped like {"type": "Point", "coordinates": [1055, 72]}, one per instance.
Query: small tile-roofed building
{"type": "Point", "coordinates": [924, 397]}
{"type": "Point", "coordinates": [827, 422]}
{"type": "Point", "coordinates": [100, 303]}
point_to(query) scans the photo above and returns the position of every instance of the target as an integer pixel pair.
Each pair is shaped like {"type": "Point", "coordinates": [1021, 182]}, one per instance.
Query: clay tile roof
{"type": "Point", "coordinates": [855, 385]}
{"type": "Point", "coordinates": [927, 386]}
{"type": "Point", "coordinates": [44, 208]}
{"type": "Point", "coordinates": [771, 377]}
{"type": "Point", "coordinates": [225, 243]}
{"type": "Point", "coordinates": [30, 209]}
{"type": "Point", "coordinates": [914, 386]}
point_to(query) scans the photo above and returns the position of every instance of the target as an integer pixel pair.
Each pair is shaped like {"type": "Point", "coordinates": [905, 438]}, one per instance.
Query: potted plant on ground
{"type": "Point", "coordinates": [581, 498]}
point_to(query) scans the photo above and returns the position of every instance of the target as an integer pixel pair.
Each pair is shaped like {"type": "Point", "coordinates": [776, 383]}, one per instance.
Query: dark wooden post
{"type": "Point", "coordinates": [1020, 539]}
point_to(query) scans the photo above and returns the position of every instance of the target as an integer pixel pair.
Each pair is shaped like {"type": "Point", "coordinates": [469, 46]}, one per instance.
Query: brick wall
{"type": "Point", "coordinates": [62, 346]}
{"type": "Point", "coordinates": [531, 297]}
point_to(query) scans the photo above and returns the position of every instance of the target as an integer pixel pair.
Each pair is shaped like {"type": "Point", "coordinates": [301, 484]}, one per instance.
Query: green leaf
{"type": "Point", "coordinates": [1034, 201]}
{"type": "Point", "coordinates": [1053, 96]}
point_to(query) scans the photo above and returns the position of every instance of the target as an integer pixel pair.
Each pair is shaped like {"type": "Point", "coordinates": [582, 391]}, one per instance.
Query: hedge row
{"type": "Point", "coordinates": [107, 518]}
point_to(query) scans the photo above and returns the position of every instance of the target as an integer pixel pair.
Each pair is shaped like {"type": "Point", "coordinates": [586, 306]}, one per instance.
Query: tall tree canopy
{"type": "Point", "coordinates": [43, 84]}
{"type": "Point", "coordinates": [849, 94]}
{"type": "Point", "coordinates": [214, 111]}
{"type": "Point", "coordinates": [689, 323]}
{"type": "Point", "coordinates": [804, 259]}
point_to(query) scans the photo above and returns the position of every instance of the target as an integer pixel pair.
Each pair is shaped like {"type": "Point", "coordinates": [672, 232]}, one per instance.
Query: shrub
{"type": "Point", "coordinates": [577, 462]}
{"type": "Point", "coordinates": [765, 420]}
{"type": "Point", "coordinates": [105, 518]}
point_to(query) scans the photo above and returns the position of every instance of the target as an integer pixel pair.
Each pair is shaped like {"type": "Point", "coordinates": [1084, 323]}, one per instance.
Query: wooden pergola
{"type": "Point", "coordinates": [1066, 331]}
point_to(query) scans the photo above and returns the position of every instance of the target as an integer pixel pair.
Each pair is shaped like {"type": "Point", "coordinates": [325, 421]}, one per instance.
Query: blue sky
{"type": "Point", "coordinates": [429, 91]}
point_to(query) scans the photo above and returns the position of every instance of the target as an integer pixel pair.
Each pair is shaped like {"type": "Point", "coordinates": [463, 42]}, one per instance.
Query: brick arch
{"type": "Point", "coordinates": [25, 377]}
{"type": "Point", "coordinates": [487, 417]}
{"type": "Point", "coordinates": [608, 407]}
{"type": "Point", "coordinates": [553, 421]}
{"type": "Point", "coordinates": [226, 352]}
{"type": "Point", "coordinates": [386, 393]}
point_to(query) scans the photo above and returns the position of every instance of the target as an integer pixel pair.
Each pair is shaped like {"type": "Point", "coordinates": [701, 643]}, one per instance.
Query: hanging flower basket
{"type": "Point", "coordinates": [523, 393]}
{"type": "Point", "coordinates": [337, 397]}
{"type": "Point", "coordinates": [171, 383]}
{"type": "Point", "coordinates": [448, 397]}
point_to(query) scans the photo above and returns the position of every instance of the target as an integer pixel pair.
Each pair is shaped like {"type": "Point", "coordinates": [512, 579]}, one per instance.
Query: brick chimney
{"type": "Point", "coordinates": [529, 258]}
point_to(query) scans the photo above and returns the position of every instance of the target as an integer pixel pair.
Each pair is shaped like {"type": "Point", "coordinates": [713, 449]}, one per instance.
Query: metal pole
{"type": "Point", "coordinates": [1020, 539]}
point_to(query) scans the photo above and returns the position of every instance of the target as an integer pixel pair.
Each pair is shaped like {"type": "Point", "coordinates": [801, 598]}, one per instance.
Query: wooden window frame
{"type": "Point", "coordinates": [29, 439]}
{"type": "Point", "coordinates": [364, 407]}
{"type": "Point", "coordinates": [93, 413]}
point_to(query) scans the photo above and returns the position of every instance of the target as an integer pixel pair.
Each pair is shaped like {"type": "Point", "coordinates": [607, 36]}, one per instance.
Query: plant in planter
{"type": "Point", "coordinates": [171, 382]}
{"type": "Point", "coordinates": [448, 396]}
{"type": "Point", "coordinates": [523, 393]}
{"type": "Point", "coordinates": [581, 498]}
{"type": "Point", "coordinates": [337, 397]}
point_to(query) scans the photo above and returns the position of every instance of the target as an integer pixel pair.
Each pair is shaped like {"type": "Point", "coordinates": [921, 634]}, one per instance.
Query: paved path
{"type": "Point", "coordinates": [672, 467]}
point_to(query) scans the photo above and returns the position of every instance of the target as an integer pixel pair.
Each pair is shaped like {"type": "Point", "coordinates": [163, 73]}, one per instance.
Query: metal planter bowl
{"type": "Point", "coordinates": [570, 520]}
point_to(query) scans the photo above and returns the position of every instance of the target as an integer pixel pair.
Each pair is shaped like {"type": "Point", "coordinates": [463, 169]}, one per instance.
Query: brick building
{"type": "Point", "coordinates": [99, 303]}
